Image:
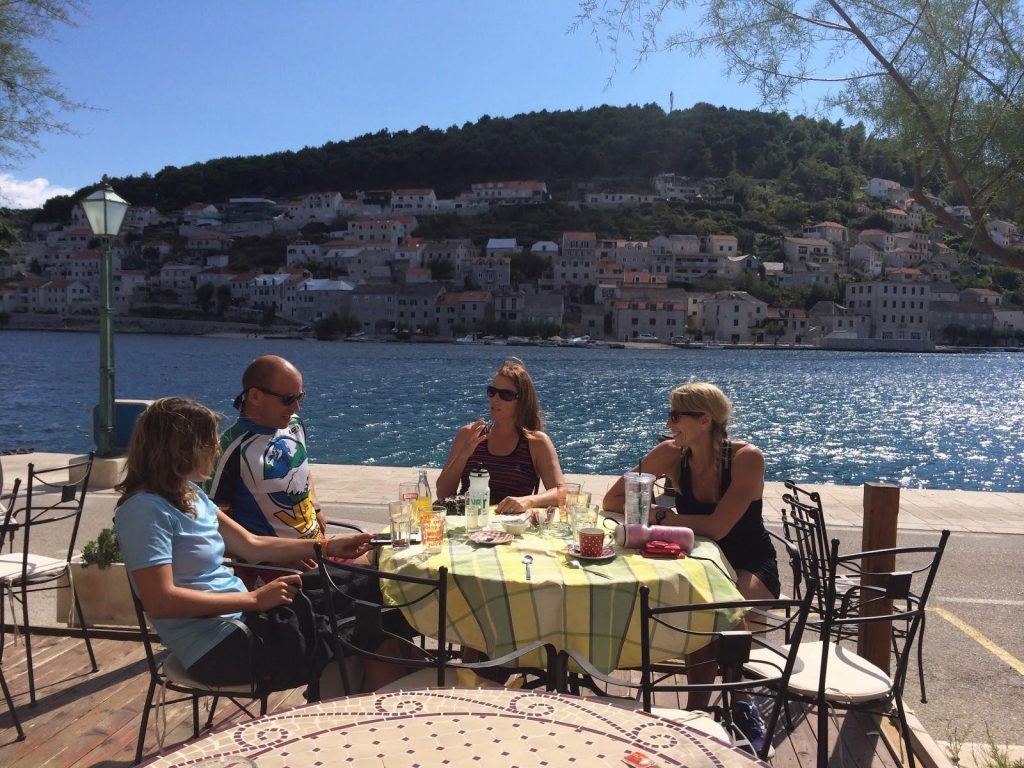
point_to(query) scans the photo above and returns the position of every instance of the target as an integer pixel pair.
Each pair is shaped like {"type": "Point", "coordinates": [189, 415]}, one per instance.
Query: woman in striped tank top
{"type": "Point", "coordinates": [512, 447]}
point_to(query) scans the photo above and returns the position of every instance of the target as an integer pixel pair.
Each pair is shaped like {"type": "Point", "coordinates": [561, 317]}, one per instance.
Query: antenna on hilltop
{"type": "Point", "coordinates": [671, 101]}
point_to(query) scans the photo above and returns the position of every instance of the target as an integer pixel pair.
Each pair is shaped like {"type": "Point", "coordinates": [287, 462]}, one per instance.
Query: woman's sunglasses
{"type": "Point", "coordinates": [508, 395]}
{"type": "Point", "coordinates": [675, 416]}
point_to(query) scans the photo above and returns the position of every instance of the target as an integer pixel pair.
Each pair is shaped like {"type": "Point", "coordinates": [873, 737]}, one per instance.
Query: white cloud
{"type": "Point", "coordinates": [17, 193]}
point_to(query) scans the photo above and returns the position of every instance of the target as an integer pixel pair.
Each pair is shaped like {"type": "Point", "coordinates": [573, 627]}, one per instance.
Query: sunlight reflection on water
{"type": "Point", "coordinates": [938, 421]}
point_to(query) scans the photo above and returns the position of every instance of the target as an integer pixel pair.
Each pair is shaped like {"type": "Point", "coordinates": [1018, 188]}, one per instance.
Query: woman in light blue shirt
{"type": "Point", "coordinates": [173, 540]}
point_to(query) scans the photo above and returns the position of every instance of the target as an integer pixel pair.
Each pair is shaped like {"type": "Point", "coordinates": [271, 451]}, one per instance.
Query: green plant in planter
{"type": "Point", "coordinates": [103, 551]}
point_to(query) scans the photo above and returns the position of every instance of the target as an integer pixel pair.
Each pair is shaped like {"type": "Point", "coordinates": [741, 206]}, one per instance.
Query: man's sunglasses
{"type": "Point", "coordinates": [285, 399]}
{"type": "Point", "coordinates": [675, 416]}
{"type": "Point", "coordinates": [508, 395]}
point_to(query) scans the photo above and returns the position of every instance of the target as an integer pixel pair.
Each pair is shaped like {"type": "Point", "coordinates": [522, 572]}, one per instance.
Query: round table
{"type": "Point", "coordinates": [595, 611]}
{"type": "Point", "coordinates": [458, 727]}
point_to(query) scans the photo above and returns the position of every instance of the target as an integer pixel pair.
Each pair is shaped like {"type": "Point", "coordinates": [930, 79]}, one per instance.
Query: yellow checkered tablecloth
{"type": "Point", "coordinates": [492, 607]}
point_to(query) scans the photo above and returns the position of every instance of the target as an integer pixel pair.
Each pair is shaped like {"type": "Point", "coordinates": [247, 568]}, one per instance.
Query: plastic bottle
{"type": "Point", "coordinates": [478, 499]}
{"type": "Point", "coordinates": [423, 497]}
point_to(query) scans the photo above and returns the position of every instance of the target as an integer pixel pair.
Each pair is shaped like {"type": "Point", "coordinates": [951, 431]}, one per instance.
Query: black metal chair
{"type": "Point", "coordinates": [831, 675]}
{"type": "Point", "coordinates": [53, 497]}
{"type": "Point", "coordinates": [3, 681]}
{"type": "Point", "coordinates": [804, 524]}
{"type": "Point", "coordinates": [757, 658]}
{"type": "Point", "coordinates": [167, 673]}
{"type": "Point", "coordinates": [362, 633]}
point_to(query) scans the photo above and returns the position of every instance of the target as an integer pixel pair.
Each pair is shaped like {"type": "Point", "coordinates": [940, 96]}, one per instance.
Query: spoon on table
{"type": "Point", "coordinates": [527, 560]}
{"type": "Point", "coordinates": [577, 564]}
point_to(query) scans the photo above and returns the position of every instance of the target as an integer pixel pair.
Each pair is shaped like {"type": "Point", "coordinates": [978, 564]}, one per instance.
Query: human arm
{"type": "Point", "coordinates": [661, 461]}
{"type": "Point", "coordinates": [163, 599]}
{"type": "Point", "coordinates": [277, 549]}
{"type": "Point", "coordinates": [747, 485]}
{"type": "Point", "coordinates": [545, 461]}
{"type": "Point", "coordinates": [466, 441]}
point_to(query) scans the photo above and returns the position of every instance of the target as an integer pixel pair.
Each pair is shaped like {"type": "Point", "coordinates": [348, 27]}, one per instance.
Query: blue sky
{"type": "Point", "coordinates": [183, 81]}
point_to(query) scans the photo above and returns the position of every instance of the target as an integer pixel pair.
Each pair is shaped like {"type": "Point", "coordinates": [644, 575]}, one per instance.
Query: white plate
{"type": "Point", "coordinates": [490, 538]}
{"type": "Point", "coordinates": [606, 554]}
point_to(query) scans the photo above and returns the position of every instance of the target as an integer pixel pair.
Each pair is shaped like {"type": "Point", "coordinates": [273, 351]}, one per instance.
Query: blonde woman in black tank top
{"type": "Point", "coordinates": [512, 446]}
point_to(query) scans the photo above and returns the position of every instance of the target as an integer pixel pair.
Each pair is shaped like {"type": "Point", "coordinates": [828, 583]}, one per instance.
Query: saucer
{"type": "Point", "coordinates": [606, 554]}
{"type": "Point", "coordinates": [489, 538]}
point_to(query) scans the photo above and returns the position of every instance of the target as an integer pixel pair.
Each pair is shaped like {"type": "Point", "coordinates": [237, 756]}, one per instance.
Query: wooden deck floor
{"type": "Point", "coordinates": [92, 719]}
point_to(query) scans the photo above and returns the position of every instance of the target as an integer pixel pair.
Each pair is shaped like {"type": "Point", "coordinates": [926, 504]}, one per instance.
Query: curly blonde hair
{"type": "Point", "coordinates": [171, 439]}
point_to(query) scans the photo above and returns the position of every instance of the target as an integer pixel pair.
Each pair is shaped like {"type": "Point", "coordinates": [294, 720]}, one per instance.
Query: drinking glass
{"type": "Point", "coordinates": [638, 496]}
{"type": "Point", "coordinates": [584, 516]}
{"type": "Point", "coordinates": [565, 490]}
{"type": "Point", "coordinates": [400, 513]}
{"type": "Point", "coordinates": [433, 526]}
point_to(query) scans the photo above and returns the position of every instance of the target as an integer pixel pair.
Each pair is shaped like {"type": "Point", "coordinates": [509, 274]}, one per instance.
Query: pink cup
{"type": "Point", "coordinates": [591, 542]}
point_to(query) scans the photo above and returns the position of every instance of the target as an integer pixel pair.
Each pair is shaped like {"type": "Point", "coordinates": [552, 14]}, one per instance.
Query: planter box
{"type": "Point", "coordinates": [104, 593]}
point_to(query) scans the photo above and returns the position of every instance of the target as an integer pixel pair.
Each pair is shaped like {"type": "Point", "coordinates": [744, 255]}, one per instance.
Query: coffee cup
{"type": "Point", "coordinates": [591, 542]}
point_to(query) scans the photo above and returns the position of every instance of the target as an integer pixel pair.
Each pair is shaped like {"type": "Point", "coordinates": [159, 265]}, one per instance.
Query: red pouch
{"type": "Point", "coordinates": [665, 549]}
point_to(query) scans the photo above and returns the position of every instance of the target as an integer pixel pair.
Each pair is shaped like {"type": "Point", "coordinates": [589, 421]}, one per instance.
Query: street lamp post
{"type": "Point", "coordinates": [105, 211]}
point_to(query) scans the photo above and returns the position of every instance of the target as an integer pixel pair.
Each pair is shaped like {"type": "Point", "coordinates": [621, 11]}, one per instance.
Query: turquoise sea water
{"type": "Point", "coordinates": [922, 421]}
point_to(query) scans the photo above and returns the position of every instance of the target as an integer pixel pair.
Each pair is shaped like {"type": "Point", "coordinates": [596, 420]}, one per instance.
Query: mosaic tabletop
{"type": "Point", "coordinates": [457, 727]}
{"type": "Point", "coordinates": [594, 610]}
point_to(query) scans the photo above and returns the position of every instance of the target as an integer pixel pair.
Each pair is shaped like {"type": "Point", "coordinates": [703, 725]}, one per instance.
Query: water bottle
{"type": "Point", "coordinates": [634, 535]}
{"type": "Point", "coordinates": [423, 497]}
{"type": "Point", "coordinates": [478, 499]}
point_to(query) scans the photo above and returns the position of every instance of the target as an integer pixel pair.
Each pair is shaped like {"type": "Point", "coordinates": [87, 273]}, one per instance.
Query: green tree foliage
{"type": "Point", "coordinates": [204, 295]}
{"type": "Point", "coordinates": [943, 82]}
{"type": "Point", "coordinates": [31, 100]}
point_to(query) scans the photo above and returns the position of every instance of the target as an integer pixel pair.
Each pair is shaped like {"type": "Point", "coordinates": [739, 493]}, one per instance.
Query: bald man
{"type": "Point", "coordinates": [262, 477]}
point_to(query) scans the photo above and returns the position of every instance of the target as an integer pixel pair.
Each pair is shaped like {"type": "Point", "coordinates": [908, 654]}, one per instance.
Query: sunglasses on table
{"type": "Point", "coordinates": [675, 416]}
{"type": "Point", "coordinates": [285, 399]}
{"type": "Point", "coordinates": [508, 395]}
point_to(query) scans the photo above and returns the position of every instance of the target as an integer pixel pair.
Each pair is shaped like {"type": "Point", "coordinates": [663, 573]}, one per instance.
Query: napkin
{"type": "Point", "coordinates": [665, 549]}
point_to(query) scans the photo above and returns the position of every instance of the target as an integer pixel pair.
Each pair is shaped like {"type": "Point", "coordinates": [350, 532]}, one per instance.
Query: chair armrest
{"type": "Point", "coordinates": [502, 661]}
{"type": "Point", "coordinates": [591, 671]}
{"type": "Point", "coordinates": [795, 561]}
{"type": "Point", "coordinates": [340, 524]}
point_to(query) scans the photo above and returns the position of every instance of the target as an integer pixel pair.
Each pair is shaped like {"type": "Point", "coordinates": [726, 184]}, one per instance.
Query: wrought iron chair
{"type": "Point", "coordinates": [361, 634]}
{"type": "Point", "coordinates": [804, 524]}
{"type": "Point", "coordinates": [53, 497]}
{"type": "Point", "coordinates": [831, 676]}
{"type": "Point", "coordinates": [167, 673]}
{"type": "Point", "coordinates": [757, 658]}
{"type": "Point", "coordinates": [3, 680]}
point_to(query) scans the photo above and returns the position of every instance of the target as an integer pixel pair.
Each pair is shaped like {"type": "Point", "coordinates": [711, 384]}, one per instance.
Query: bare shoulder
{"type": "Point", "coordinates": [747, 456]}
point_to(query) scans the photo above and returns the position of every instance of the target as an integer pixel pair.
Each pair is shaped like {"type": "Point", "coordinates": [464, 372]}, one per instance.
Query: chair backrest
{"type": "Point", "coordinates": [147, 641]}
{"type": "Point", "coordinates": [366, 618]}
{"type": "Point", "coordinates": [6, 527]}
{"type": "Point", "coordinates": [54, 495]}
{"type": "Point", "coordinates": [804, 525]}
{"type": "Point", "coordinates": [768, 625]}
{"type": "Point", "coordinates": [895, 595]}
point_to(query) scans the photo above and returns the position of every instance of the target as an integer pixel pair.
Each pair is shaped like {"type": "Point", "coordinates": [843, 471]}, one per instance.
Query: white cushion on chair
{"type": "Point", "coordinates": [10, 566]}
{"type": "Point", "coordinates": [850, 678]}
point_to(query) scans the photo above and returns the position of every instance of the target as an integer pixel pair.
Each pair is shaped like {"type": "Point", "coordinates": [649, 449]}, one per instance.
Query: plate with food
{"type": "Point", "coordinates": [489, 538]}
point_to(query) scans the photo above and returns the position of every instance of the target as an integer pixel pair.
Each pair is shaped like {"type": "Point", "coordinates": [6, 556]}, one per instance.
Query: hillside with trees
{"type": "Point", "coordinates": [621, 147]}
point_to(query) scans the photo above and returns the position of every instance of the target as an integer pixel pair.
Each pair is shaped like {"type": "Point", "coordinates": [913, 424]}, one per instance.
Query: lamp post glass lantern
{"type": "Point", "coordinates": [105, 211]}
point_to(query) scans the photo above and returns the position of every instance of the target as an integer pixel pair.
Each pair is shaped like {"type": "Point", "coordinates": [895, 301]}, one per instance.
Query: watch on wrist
{"type": "Point", "coordinates": [660, 515]}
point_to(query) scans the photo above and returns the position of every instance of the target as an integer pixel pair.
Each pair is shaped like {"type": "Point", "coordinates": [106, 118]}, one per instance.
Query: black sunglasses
{"type": "Point", "coordinates": [508, 395]}
{"type": "Point", "coordinates": [675, 416]}
{"type": "Point", "coordinates": [285, 399]}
